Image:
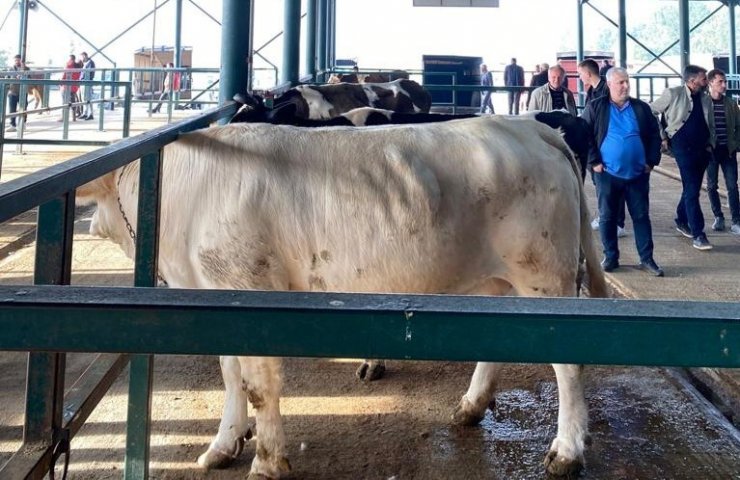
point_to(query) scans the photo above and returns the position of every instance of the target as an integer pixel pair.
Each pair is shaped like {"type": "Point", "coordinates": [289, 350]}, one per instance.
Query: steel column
{"type": "Point", "coordinates": [332, 30]}
{"type": "Point", "coordinates": [178, 34]}
{"type": "Point", "coordinates": [623, 33]}
{"type": "Point", "coordinates": [236, 49]}
{"type": "Point", "coordinates": [145, 275]}
{"type": "Point", "coordinates": [683, 27]}
{"type": "Point", "coordinates": [733, 44]}
{"type": "Point", "coordinates": [23, 31]}
{"type": "Point", "coordinates": [311, 21]}
{"type": "Point", "coordinates": [321, 35]}
{"type": "Point", "coordinates": [579, 47]}
{"type": "Point", "coordinates": [291, 41]}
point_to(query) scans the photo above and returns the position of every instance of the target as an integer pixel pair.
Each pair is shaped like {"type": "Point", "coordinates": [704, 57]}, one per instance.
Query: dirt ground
{"type": "Point", "coordinates": [644, 423]}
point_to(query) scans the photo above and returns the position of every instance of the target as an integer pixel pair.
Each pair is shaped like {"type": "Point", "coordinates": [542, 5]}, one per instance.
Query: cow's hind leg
{"type": "Point", "coordinates": [565, 457]}
{"type": "Point", "coordinates": [234, 427]}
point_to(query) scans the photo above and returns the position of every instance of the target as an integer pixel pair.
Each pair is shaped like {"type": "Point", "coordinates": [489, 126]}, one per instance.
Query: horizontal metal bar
{"type": "Point", "coordinates": [41, 81]}
{"type": "Point", "coordinates": [422, 327]}
{"type": "Point", "coordinates": [24, 193]}
{"type": "Point", "coordinates": [49, 141]}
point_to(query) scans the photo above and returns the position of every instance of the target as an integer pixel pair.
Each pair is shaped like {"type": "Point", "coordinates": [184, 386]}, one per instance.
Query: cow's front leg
{"type": "Point", "coordinates": [472, 406]}
{"type": "Point", "coordinates": [565, 457]}
{"type": "Point", "coordinates": [262, 382]}
{"type": "Point", "coordinates": [371, 370]}
{"type": "Point", "coordinates": [234, 427]}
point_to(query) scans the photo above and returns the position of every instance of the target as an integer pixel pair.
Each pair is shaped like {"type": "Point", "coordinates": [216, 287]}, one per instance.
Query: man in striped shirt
{"type": "Point", "coordinates": [727, 128]}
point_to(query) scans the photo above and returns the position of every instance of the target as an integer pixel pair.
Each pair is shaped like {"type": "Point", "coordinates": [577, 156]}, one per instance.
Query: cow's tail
{"type": "Point", "coordinates": [594, 274]}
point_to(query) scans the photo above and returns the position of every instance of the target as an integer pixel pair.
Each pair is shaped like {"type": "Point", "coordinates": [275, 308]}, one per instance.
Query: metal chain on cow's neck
{"type": "Point", "coordinates": [131, 231]}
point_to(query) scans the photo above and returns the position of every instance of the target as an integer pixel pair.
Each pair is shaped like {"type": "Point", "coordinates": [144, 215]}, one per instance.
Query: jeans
{"type": "Point", "coordinates": [620, 211]}
{"type": "Point", "coordinates": [614, 192]}
{"type": "Point", "coordinates": [87, 95]}
{"type": "Point", "coordinates": [721, 158]}
{"type": "Point", "coordinates": [486, 102]}
{"type": "Point", "coordinates": [13, 107]}
{"type": "Point", "coordinates": [692, 162]}
{"type": "Point", "coordinates": [514, 102]}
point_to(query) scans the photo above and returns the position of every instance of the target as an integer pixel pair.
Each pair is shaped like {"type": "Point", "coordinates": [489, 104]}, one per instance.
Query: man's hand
{"type": "Point", "coordinates": [648, 168]}
{"type": "Point", "coordinates": [598, 168]}
{"type": "Point", "coordinates": [664, 145]}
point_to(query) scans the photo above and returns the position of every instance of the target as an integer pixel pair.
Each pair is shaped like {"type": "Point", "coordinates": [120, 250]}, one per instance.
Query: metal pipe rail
{"type": "Point", "coordinates": [408, 327]}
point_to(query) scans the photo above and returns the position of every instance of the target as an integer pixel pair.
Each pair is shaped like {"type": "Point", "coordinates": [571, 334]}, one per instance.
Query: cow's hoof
{"type": "Point", "coordinates": [465, 414]}
{"type": "Point", "coordinates": [215, 458]}
{"type": "Point", "coordinates": [263, 469]}
{"type": "Point", "coordinates": [558, 466]}
{"type": "Point", "coordinates": [370, 371]}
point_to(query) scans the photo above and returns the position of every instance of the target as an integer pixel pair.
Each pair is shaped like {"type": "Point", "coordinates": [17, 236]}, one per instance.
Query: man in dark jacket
{"type": "Point", "coordinates": [625, 148]}
{"type": "Point", "coordinates": [514, 77]}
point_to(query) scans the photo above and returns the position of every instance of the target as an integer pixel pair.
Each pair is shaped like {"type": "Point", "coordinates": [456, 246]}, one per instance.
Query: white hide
{"type": "Point", "coordinates": [475, 206]}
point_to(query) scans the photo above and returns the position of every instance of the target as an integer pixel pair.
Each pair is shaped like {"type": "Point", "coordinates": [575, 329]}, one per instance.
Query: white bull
{"type": "Point", "coordinates": [484, 206]}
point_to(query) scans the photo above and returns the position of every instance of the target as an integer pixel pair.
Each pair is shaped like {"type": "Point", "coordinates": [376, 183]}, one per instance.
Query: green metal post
{"type": "Point", "coordinates": [145, 275]}
{"type": "Point", "coordinates": [311, 20]}
{"type": "Point", "coordinates": [178, 34]}
{"type": "Point", "coordinates": [684, 39]}
{"type": "Point", "coordinates": [321, 36]}
{"type": "Point", "coordinates": [236, 49]}
{"type": "Point", "coordinates": [23, 30]}
{"type": "Point", "coordinates": [332, 42]}
{"type": "Point", "coordinates": [733, 44]}
{"type": "Point", "coordinates": [45, 378]}
{"type": "Point", "coordinates": [623, 33]}
{"type": "Point", "coordinates": [291, 41]}
{"type": "Point", "coordinates": [127, 111]}
{"type": "Point", "coordinates": [579, 47]}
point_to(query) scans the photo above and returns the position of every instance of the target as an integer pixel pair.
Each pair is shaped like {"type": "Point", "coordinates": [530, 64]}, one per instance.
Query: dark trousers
{"type": "Point", "coordinates": [620, 208]}
{"type": "Point", "coordinates": [13, 106]}
{"type": "Point", "coordinates": [514, 102]}
{"type": "Point", "coordinates": [614, 192]}
{"type": "Point", "coordinates": [721, 158]}
{"type": "Point", "coordinates": [692, 162]}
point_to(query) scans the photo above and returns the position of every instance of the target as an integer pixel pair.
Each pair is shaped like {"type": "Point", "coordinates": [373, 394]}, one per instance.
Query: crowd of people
{"type": "Point", "coordinates": [696, 121]}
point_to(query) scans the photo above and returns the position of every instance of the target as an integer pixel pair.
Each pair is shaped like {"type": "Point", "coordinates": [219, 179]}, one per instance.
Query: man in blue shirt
{"type": "Point", "coordinates": [486, 80]}
{"type": "Point", "coordinates": [625, 148]}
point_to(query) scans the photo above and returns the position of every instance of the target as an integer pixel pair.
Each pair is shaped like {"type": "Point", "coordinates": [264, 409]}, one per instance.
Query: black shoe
{"type": "Point", "coordinates": [609, 265]}
{"type": "Point", "coordinates": [701, 243]}
{"type": "Point", "coordinates": [719, 224]}
{"type": "Point", "coordinates": [684, 230]}
{"type": "Point", "coordinates": [652, 267]}
{"type": "Point", "coordinates": [89, 117]}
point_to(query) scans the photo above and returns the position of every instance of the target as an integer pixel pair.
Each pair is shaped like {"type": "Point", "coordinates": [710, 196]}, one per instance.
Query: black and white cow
{"type": "Point", "coordinates": [322, 102]}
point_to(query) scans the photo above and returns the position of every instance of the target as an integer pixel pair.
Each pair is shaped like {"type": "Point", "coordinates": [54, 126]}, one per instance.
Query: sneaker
{"type": "Point", "coordinates": [621, 232]}
{"type": "Point", "coordinates": [595, 224]}
{"type": "Point", "coordinates": [719, 224]}
{"type": "Point", "coordinates": [609, 265]}
{"type": "Point", "coordinates": [10, 129]}
{"type": "Point", "coordinates": [652, 267]}
{"type": "Point", "coordinates": [735, 228]}
{"type": "Point", "coordinates": [684, 230]}
{"type": "Point", "coordinates": [701, 243]}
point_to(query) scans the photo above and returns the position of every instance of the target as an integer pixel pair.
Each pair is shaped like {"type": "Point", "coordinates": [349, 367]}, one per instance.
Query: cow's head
{"type": "Point", "coordinates": [107, 220]}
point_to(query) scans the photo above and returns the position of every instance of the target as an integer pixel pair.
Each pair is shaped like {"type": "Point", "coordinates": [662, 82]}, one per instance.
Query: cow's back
{"type": "Point", "coordinates": [403, 208]}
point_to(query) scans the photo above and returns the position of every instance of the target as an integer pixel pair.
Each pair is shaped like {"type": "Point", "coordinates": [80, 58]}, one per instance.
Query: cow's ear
{"type": "Point", "coordinates": [92, 192]}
